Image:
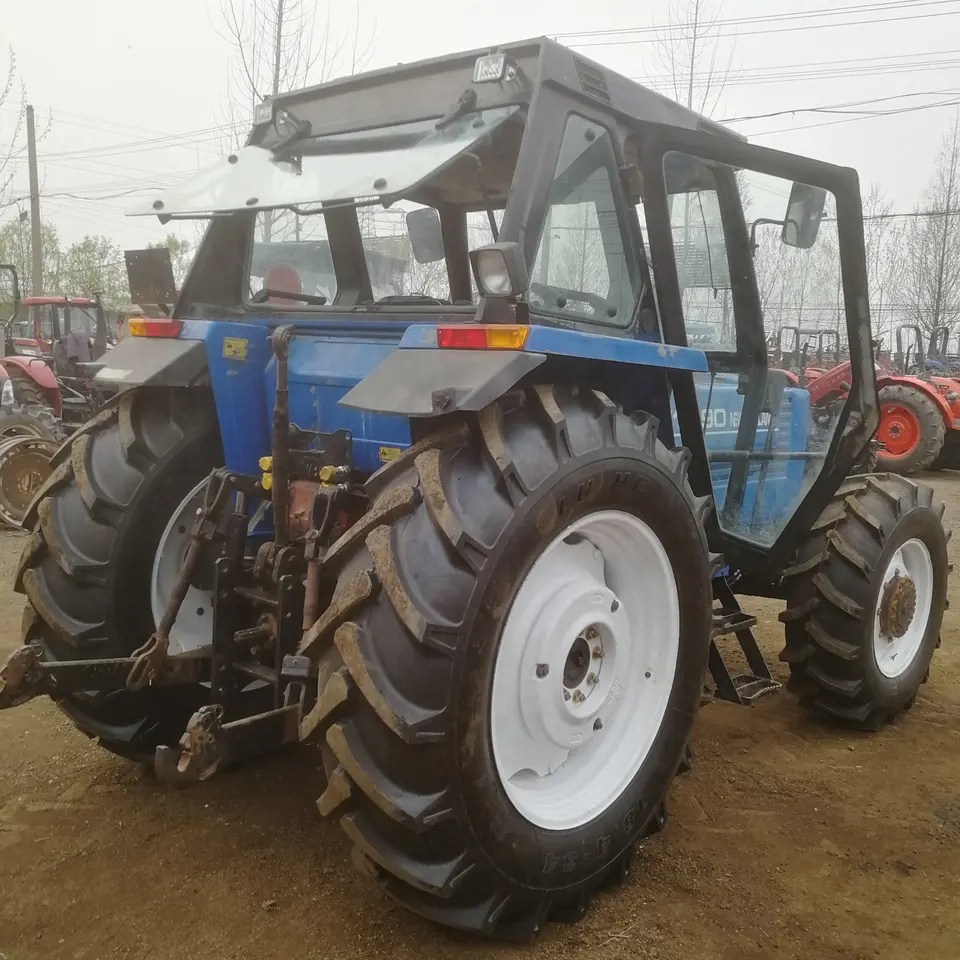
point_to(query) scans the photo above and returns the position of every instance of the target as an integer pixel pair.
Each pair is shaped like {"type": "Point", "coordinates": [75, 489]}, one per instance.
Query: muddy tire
{"type": "Point", "coordinates": [86, 567]}
{"type": "Point", "coordinates": [911, 429]}
{"type": "Point", "coordinates": [415, 678]}
{"type": "Point", "coordinates": [865, 600]}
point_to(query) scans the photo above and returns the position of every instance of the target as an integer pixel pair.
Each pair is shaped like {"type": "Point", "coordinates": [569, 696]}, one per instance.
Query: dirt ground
{"type": "Point", "coordinates": [788, 840]}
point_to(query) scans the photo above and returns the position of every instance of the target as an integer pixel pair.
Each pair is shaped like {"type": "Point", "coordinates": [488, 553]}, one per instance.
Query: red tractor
{"type": "Point", "coordinates": [49, 340]}
{"type": "Point", "coordinates": [919, 412]}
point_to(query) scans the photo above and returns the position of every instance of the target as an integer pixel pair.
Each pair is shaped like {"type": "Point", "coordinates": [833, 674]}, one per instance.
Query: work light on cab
{"type": "Point", "coordinates": [500, 269]}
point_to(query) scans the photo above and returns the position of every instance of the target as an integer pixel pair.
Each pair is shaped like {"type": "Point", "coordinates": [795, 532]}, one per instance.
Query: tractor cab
{"type": "Point", "coordinates": [70, 330]}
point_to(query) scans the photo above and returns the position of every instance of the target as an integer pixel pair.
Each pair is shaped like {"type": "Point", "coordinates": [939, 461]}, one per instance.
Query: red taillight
{"type": "Point", "coordinates": [466, 338]}
{"type": "Point", "coordinates": [141, 327]}
{"type": "Point", "coordinates": [480, 337]}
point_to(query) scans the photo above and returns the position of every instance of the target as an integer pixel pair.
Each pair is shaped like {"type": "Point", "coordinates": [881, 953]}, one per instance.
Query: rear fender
{"type": "Point", "coordinates": [36, 370]}
{"type": "Point", "coordinates": [923, 386]}
{"type": "Point", "coordinates": [423, 380]}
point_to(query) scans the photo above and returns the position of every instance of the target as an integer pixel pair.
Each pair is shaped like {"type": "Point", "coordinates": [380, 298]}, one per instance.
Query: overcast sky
{"type": "Point", "coordinates": [119, 76]}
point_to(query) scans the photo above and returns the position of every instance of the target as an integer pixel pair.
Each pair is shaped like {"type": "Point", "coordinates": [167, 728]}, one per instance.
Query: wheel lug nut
{"type": "Point", "coordinates": [591, 678]}
{"type": "Point", "coordinates": [543, 669]}
{"type": "Point", "coordinates": [615, 606]}
{"type": "Point", "coordinates": [566, 694]}
{"type": "Point", "coordinates": [592, 633]}
{"type": "Point", "coordinates": [578, 697]}
{"type": "Point", "coordinates": [598, 724]}
{"type": "Point", "coordinates": [597, 652]}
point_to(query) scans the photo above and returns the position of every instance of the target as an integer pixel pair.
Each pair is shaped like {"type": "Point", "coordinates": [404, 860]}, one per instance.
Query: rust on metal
{"type": "Point", "coordinates": [301, 494]}
{"type": "Point", "coordinates": [898, 604]}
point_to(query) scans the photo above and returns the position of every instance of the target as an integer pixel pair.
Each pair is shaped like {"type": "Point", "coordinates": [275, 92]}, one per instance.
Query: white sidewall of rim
{"type": "Point", "coordinates": [558, 770]}
{"type": "Point", "coordinates": [895, 655]}
{"type": "Point", "coordinates": [192, 630]}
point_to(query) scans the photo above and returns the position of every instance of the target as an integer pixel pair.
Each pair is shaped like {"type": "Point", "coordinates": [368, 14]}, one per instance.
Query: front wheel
{"type": "Point", "coordinates": [514, 658]}
{"type": "Point", "coordinates": [865, 601]}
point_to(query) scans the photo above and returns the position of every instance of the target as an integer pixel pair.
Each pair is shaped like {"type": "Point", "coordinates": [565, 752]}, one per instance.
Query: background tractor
{"type": "Point", "coordinates": [451, 494]}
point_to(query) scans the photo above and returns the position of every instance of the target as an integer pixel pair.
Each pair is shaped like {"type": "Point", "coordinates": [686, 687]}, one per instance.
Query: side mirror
{"type": "Point", "coordinates": [500, 269]}
{"type": "Point", "coordinates": [426, 235]}
{"type": "Point", "coordinates": [804, 213]}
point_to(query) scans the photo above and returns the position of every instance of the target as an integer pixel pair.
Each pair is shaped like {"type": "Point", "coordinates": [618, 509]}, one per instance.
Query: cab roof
{"type": "Point", "coordinates": [429, 88]}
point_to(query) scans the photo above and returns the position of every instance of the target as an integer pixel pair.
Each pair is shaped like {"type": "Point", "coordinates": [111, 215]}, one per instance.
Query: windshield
{"type": "Point", "coordinates": [414, 246]}
{"type": "Point", "coordinates": [366, 165]}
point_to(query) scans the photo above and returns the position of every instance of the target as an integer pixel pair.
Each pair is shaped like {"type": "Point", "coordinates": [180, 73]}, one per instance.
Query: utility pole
{"type": "Point", "coordinates": [36, 284]}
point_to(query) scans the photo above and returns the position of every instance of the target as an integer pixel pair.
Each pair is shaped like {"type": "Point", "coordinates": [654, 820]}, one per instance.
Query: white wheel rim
{"type": "Point", "coordinates": [193, 627]}
{"type": "Point", "coordinates": [911, 564]}
{"type": "Point", "coordinates": [563, 761]}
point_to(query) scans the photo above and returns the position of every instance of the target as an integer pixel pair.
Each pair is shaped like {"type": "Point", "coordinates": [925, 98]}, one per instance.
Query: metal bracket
{"type": "Point", "coordinates": [21, 681]}
{"type": "Point", "coordinates": [208, 745]}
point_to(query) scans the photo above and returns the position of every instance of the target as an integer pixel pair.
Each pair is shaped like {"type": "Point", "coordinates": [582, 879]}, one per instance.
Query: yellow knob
{"type": "Point", "coordinates": [266, 481]}
{"type": "Point", "coordinates": [266, 463]}
{"type": "Point", "coordinates": [327, 473]}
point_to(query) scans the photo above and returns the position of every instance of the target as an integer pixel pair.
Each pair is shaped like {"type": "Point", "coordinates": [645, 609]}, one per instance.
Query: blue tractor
{"type": "Point", "coordinates": [422, 466]}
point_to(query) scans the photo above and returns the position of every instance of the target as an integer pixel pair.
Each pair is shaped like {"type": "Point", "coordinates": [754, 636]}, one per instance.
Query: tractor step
{"type": "Point", "coordinates": [751, 688]}
{"type": "Point", "coordinates": [730, 620]}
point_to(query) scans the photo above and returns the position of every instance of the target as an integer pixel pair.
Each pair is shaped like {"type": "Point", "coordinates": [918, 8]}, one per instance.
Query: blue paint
{"type": "Point", "coordinates": [322, 368]}
{"type": "Point", "coordinates": [333, 355]}
{"type": "Point", "coordinates": [585, 346]}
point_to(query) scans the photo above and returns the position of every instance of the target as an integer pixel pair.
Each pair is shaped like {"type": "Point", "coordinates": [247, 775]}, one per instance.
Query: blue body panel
{"type": "Point", "coordinates": [586, 346]}
{"type": "Point", "coordinates": [338, 354]}
{"type": "Point", "coordinates": [321, 369]}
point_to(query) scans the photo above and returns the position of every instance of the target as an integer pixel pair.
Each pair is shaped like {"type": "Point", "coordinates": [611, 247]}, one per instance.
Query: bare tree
{"type": "Point", "coordinates": [929, 293]}
{"type": "Point", "coordinates": [883, 242]}
{"type": "Point", "coordinates": [282, 45]}
{"type": "Point", "coordinates": [693, 65]}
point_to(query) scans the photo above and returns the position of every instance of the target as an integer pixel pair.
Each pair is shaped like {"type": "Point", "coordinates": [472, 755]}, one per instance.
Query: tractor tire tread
{"type": "Point", "coordinates": [383, 740]}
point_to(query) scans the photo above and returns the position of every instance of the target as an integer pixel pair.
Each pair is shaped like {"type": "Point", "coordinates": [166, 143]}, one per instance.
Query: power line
{"type": "Point", "coordinates": [755, 33]}
{"type": "Point", "coordinates": [870, 116]}
{"type": "Point", "coordinates": [765, 18]}
{"type": "Point", "coordinates": [783, 75]}
{"type": "Point", "coordinates": [835, 107]}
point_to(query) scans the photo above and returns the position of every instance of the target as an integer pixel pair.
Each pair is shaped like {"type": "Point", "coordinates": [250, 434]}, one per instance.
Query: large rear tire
{"type": "Point", "coordinates": [865, 601]}
{"type": "Point", "coordinates": [489, 779]}
{"type": "Point", "coordinates": [86, 569]}
{"type": "Point", "coordinates": [911, 430]}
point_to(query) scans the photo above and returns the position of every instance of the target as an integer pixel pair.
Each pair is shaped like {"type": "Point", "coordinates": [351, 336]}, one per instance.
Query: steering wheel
{"type": "Point", "coordinates": [561, 296]}
{"type": "Point", "coordinates": [262, 296]}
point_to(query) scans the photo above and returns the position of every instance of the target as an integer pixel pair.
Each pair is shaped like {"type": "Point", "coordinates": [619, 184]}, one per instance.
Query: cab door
{"type": "Point", "coordinates": [744, 241]}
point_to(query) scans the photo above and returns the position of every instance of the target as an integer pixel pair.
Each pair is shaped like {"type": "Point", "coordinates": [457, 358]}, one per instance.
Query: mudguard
{"type": "Point", "coordinates": [430, 383]}
{"type": "Point", "coordinates": [143, 361]}
{"type": "Point", "coordinates": [34, 368]}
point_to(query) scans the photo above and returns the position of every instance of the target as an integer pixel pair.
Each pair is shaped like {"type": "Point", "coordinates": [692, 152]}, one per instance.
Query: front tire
{"type": "Point", "coordinates": [865, 601]}
{"type": "Point", "coordinates": [421, 653]}
{"type": "Point", "coordinates": [86, 569]}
